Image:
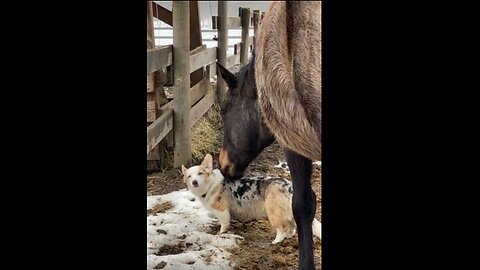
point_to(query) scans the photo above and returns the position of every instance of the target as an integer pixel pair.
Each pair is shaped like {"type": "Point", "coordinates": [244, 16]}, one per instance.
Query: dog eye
{"type": "Point", "coordinates": [189, 176]}
{"type": "Point", "coordinates": [200, 173]}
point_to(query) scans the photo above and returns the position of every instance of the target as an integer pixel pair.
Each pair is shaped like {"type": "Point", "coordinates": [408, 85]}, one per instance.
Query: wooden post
{"type": "Point", "coordinates": [156, 98]}
{"type": "Point", "coordinates": [245, 19]}
{"type": "Point", "coordinates": [222, 46]}
{"type": "Point", "coordinates": [195, 39]}
{"type": "Point", "coordinates": [152, 111]}
{"type": "Point", "coordinates": [256, 21]}
{"type": "Point", "coordinates": [181, 95]}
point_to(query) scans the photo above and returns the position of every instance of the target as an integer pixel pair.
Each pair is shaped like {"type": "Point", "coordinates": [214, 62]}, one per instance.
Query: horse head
{"type": "Point", "coordinates": [244, 133]}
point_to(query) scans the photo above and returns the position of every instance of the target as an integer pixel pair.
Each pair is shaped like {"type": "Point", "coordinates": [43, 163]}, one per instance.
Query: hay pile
{"type": "Point", "coordinates": [207, 133]}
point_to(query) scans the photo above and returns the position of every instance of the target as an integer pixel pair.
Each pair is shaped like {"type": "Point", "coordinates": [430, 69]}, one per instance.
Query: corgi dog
{"type": "Point", "coordinates": [244, 199]}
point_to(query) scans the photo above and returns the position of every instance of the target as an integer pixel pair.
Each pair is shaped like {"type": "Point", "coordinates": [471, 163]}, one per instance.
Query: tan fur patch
{"type": "Point", "coordinates": [223, 159]}
{"type": "Point", "coordinates": [219, 198]}
{"type": "Point", "coordinates": [278, 205]}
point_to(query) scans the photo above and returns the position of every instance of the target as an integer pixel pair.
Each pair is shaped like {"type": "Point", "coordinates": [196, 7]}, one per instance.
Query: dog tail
{"type": "Point", "coordinates": [317, 228]}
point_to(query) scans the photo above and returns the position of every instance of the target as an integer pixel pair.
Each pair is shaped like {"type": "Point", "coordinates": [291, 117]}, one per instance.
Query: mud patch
{"type": "Point", "coordinates": [159, 208]}
{"type": "Point", "coordinates": [161, 265]}
{"type": "Point", "coordinates": [256, 251]}
{"type": "Point", "coordinates": [171, 249]}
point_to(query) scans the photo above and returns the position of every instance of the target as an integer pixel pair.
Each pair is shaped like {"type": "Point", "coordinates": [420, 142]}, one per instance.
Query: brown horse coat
{"type": "Point", "coordinates": [288, 74]}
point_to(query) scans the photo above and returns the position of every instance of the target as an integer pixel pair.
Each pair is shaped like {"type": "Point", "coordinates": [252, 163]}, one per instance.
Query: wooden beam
{"type": "Point", "coordinates": [181, 102]}
{"type": "Point", "coordinates": [196, 93]}
{"type": "Point", "coordinates": [195, 40]}
{"type": "Point", "coordinates": [245, 30]}
{"type": "Point", "coordinates": [256, 21]}
{"type": "Point", "coordinates": [222, 46]}
{"type": "Point", "coordinates": [150, 84]}
{"type": "Point", "coordinates": [150, 31]}
{"type": "Point", "coordinates": [162, 14]}
{"type": "Point", "coordinates": [232, 22]}
{"type": "Point", "coordinates": [157, 130]}
{"type": "Point", "coordinates": [151, 112]}
{"type": "Point", "coordinates": [212, 70]}
{"type": "Point", "coordinates": [203, 58]}
{"type": "Point", "coordinates": [159, 58]}
{"type": "Point", "coordinates": [201, 107]}
{"type": "Point", "coordinates": [162, 57]}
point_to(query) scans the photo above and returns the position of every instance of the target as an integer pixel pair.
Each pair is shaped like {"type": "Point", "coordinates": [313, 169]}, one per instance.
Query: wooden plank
{"type": "Point", "coordinates": [203, 58]}
{"type": "Point", "coordinates": [182, 153]}
{"type": "Point", "coordinates": [150, 84]}
{"type": "Point", "coordinates": [150, 31]}
{"type": "Point", "coordinates": [159, 58]}
{"type": "Point", "coordinates": [256, 21]}
{"type": "Point", "coordinates": [199, 90]}
{"type": "Point", "coordinates": [162, 14]}
{"type": "Point", "coordinates": [195, 40]}
{"type": "Point", "coordinates": [201, 107]}
{"type": "Point", "coordinates": [222, 45]}
{"type": "Point", "coordinates": [151, 107]}
{"type": "Point", "coordinates": [198, 49]}
{"type": "Point", "coordinates": [196, 92]}
{"type": "Point", "coordinates": [211, 70]}
{"type": "Point", "coordinates": [162, 57]}
{"type": "Point", "coordinates": [154, 154]}
{"type": "Point", "coordinates": [232, 60]}
{"type": "Point", "coordinates": [232, 22]}
{"type": "Point", "coordinates": [152, 111]}
{"type": "Point", "coordinates": [159, 129]}
{"type": "Point", "coordinates": [245, 30]}
{"type": "Point", "coordinates": [250, 40]}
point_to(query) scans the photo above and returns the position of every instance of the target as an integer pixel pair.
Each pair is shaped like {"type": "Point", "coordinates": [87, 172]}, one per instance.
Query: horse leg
{"type": "Point", "coordinates": [303, 206]}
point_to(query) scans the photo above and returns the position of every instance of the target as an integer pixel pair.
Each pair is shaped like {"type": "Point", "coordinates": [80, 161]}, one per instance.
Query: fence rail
{"type": "Point", "coordinates": [200, 98]}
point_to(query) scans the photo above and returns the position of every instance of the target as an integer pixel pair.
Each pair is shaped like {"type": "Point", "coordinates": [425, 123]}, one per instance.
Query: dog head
{"type": "Point", "coordinates": [199, 178]}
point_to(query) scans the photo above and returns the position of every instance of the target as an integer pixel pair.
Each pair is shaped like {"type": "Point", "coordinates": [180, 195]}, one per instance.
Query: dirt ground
{"type": "Point", "coordinates": [256, 252]}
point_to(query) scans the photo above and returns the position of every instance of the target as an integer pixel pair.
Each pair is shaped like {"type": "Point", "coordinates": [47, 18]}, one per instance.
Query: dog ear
{"type": "Point", "coordinates": [207, 164]}
{"type": "Point", "coordinates": [227, 76]}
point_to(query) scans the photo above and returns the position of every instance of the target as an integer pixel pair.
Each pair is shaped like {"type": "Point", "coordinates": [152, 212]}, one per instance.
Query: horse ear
{"type": "Point", "coordinates": [227, 76]}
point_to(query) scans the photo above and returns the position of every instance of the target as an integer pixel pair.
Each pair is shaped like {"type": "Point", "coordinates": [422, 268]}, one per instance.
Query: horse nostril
{"type": "Point", "coordinates": [195, 183]}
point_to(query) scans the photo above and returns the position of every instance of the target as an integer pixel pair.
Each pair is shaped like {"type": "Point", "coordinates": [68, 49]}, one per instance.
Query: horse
{"type": "Point", "coordinates": [277, 95]}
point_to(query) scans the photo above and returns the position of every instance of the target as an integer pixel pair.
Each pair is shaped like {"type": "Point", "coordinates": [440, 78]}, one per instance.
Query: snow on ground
{"type": "Point", "coordinates": [177, 238]}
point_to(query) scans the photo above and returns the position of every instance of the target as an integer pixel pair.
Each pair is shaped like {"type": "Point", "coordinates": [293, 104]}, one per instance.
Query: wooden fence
{"type": "Point", "coordinates": [190, 103]}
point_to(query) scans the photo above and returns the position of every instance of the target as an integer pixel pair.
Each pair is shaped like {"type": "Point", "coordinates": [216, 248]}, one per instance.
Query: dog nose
{"type": "Point", "coordinates": [195, 183]}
